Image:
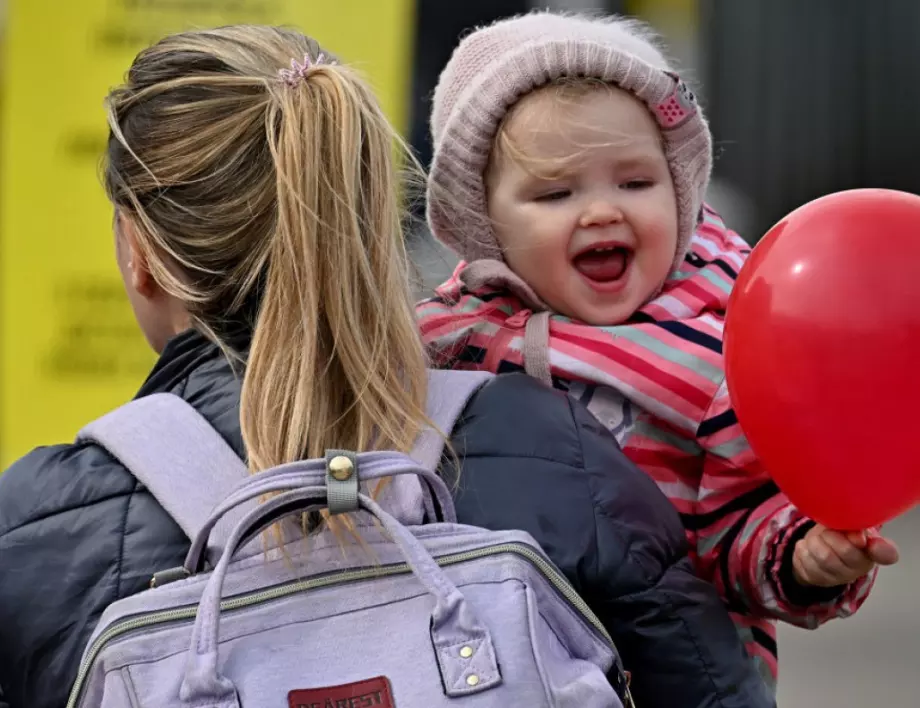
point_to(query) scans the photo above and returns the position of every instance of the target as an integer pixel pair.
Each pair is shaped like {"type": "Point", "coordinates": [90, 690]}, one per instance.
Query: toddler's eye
{"type": "Point", "coordinates": [634, 184]}
{"type": "Point", "coordinates": [554, 196]}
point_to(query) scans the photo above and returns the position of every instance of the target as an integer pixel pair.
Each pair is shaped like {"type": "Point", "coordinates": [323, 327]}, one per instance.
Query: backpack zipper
{"type": "Point", "coordinates": [255, 598]}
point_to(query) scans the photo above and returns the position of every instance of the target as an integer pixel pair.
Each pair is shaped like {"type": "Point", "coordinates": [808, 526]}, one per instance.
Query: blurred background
{"type": "Point", "coordinates": [805, 97]}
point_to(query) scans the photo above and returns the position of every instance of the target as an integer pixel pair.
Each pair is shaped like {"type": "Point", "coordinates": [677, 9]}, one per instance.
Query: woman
{"type": "Point", "coordinates": [258, 236]}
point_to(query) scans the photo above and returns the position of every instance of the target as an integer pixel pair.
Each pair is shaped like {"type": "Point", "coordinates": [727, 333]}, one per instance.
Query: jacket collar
{"type": "Point", "coordinates": [183, 354]}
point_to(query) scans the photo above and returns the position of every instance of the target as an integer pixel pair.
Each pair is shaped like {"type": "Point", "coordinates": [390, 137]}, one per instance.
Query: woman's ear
{"type": "Point", "coordinates": [131, 258]}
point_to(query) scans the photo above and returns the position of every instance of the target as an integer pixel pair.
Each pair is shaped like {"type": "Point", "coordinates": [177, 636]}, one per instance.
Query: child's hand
{"type": "Point", "coordinates": [826, 558]}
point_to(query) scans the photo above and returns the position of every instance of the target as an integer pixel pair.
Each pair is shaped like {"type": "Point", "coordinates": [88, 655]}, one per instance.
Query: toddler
{"type": "Point", "coordinates": [570, 168]}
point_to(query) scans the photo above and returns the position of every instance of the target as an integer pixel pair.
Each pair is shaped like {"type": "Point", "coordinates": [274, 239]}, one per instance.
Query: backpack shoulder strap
{"type": "Point", "coordinates": [189, 468]}
{"type": "Point", "coordinates": [449, 392]}
{"type": "Point", "coordinates": [174, 452]}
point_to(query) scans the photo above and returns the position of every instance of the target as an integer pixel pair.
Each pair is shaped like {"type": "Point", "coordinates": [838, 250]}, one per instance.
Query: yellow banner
{"type": "Point", "coordinates": [678, 20]}
{"type": "Point", "coordinates": [69, 347]}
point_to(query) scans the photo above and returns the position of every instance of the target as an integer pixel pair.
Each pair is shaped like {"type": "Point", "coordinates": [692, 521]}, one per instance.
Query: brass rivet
{"type": "Point", "coordinates": [340, 468]}
{"type": "Point", "coordinates": [472, 680]}
{"type": "Point", "coordinates": [466, 652]}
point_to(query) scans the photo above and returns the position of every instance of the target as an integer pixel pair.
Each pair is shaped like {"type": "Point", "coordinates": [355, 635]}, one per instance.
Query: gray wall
{"type": "Point", "coordinates": [810, 97]}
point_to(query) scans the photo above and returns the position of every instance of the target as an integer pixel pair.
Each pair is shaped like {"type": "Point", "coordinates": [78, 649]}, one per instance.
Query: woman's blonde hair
{"type": "Point", "coordinates": [271, 210]}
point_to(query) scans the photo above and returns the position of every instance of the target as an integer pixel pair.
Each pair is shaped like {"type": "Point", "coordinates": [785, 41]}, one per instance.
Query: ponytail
{"type": "Point", "coordinates": [336, 360]}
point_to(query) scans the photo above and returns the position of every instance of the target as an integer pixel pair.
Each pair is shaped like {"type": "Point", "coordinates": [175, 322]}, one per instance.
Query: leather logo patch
{"type": "Point", "coordinates": [372, 693]}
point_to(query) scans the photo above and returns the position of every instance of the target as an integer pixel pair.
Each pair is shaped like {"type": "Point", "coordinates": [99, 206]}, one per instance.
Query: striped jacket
{"type": "Point", "coordinates": [658, 383]}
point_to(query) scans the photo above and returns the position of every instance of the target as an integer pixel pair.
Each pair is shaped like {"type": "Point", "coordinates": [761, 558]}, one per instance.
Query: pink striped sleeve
{"type": "Point", "coordinates": [747, 530]}
{"type": "Point", "coordinates": [456, 322]}
{"type": "Point", "coordinates": [444, 334]}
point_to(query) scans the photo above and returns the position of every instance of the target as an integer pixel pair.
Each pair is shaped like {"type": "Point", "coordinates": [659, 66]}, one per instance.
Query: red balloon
{"type": "Point", "coordinates": [822, 356]}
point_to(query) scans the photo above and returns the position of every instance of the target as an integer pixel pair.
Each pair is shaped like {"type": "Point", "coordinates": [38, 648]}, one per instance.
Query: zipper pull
{"type": "Point", "coordinates": [165, 577]}
{"type": "Point", "coordinates": [518, 319]}
{"type": "Point", "coordinates": [630, 703]}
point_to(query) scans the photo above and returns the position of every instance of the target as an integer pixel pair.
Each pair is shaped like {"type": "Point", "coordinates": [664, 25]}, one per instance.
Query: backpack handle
{"type": "Point", "coordinates": [312, 473]}
{"type": "Point", "coordinates": [453, 620]}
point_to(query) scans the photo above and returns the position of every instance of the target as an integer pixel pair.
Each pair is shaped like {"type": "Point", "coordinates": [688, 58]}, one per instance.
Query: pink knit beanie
{"type": "Point", "coordinates": [495, 66]}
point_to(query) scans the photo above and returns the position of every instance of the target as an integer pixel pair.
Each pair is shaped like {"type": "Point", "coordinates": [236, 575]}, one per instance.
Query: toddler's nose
{"type": "Point", "coordinates": [600, 213]}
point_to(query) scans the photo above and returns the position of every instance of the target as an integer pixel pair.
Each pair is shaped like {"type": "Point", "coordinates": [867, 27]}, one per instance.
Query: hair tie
{"type": "Point", "coordinates": [298, 72]}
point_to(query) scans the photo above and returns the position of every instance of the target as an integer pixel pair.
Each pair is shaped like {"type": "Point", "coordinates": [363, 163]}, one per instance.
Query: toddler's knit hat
{"type": "Point", "coordinates": [495, 66]}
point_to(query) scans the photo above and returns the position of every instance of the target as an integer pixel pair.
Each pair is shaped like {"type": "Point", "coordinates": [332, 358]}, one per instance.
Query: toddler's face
{"type": "Point", "coordinates": [582, 202]}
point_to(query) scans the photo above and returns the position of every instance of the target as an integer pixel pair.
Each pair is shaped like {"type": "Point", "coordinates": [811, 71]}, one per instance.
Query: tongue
{"type": "Point", "coordinates": [602, 266]}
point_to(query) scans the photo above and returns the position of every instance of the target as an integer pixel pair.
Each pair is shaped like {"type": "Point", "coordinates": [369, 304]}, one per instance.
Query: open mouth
{"type": "Point", "coordinates": [603, 263]}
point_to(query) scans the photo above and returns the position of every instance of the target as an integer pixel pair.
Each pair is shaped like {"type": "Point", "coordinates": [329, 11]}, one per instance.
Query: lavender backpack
{"type": "Point", "coordinates": [422, 612]}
